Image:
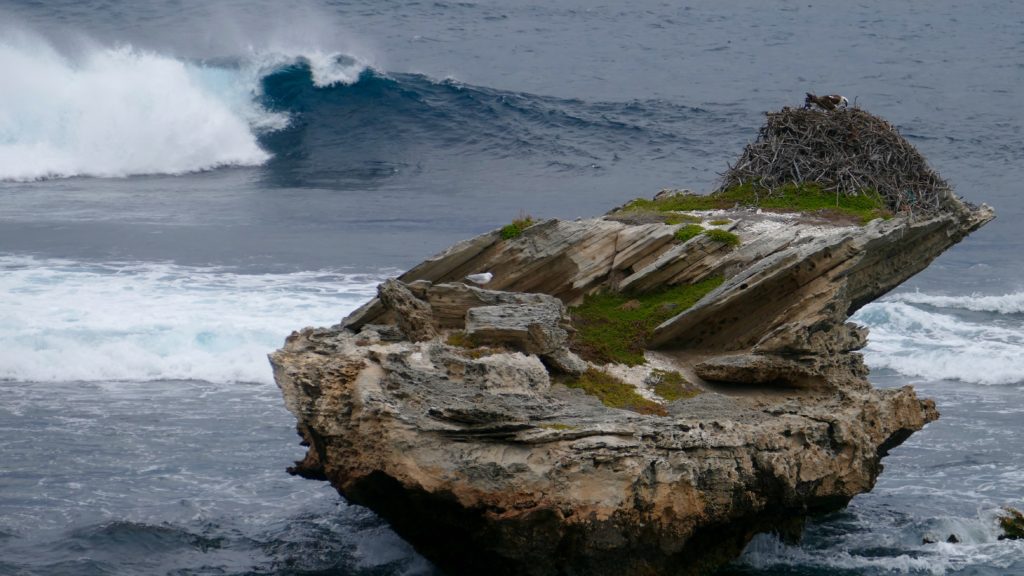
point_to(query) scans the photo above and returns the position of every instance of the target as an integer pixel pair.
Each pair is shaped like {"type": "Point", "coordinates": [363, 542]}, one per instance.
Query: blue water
{"type": "Point", "coordinates": [182, 184]}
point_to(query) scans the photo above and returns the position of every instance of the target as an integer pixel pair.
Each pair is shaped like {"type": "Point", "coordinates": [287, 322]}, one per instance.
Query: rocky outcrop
{"type": "Point", "coordinates": [449, 409]}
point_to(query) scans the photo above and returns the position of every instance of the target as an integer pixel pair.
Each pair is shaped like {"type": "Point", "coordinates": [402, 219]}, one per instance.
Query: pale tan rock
{"type": "Point", "coordinates": [414, 316]}
{"type": "Point", "coordinates": [487, 465]}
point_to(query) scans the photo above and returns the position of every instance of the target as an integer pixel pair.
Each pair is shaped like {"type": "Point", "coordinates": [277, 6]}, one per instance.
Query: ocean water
{"type": "Point", "coordinates": [184, 183]}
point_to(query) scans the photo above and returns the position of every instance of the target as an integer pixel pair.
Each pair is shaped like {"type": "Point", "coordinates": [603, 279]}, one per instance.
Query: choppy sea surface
{"type": "Point", "coordinates": [184, 183]}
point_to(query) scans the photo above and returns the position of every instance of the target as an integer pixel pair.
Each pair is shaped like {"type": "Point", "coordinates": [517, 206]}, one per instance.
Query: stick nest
{"type": "Point", "coordinates": [846, 151]}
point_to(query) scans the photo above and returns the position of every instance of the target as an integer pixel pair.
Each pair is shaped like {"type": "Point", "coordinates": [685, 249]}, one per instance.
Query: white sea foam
{"type": "Point", "coordinates": [330, 68]}
{"type": "Point", "coordinates": [326, 68]}
{"type": "Point", "coordinates": [62, 321]}
{"type": "Point", "coordinates": [1012, 303]}
{"type": "Point", "coordinates": [860, 550]}
{"type": "Point", "coordinates": [934, 345]}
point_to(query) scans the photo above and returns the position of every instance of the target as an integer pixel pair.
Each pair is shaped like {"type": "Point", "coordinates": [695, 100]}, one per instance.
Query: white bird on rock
{"type": "Point", "coordinates": [481, 278]}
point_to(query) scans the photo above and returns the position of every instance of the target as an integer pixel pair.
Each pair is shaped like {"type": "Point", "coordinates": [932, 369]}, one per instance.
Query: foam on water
{"type": "Point", "coordinates": [66, 321]}
{"type": "Point", "coordinates": [893, 549]}
{"type": "Point", "coordinates": [942, 346]}
{"type": "Point", "coordinates": [327, 68]}
{"type": "Point", "coordinates": [1012, 303]}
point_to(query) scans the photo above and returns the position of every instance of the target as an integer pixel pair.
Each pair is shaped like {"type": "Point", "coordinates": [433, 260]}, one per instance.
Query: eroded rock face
{"type": "Point", "coordinates": [487, 464]}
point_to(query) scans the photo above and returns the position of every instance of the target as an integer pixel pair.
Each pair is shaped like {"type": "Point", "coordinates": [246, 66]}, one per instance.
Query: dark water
{"type": "Point", "coordinates": [182, 184]}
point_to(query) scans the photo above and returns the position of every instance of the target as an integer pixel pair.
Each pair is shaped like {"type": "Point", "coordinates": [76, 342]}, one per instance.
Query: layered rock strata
{"type": "Point", "coordinates": [441, 405]}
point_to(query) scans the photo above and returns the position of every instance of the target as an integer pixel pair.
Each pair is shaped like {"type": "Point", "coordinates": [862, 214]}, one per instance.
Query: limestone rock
{"type": "Point", "coordinates": [415, 317]}
{"type": "Point", "coordinates": [478, 456]}
{"type": "Point", "coordinates": [533, 328]}
{"type": "Point", "coordinates": [757, 369]}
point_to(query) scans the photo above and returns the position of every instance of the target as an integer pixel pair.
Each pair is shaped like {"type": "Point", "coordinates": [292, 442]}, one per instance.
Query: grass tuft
{"type": "Point", "coordinates": [681, 219]}
{"type": "Point", "coordinates": [809, 197]}
{"type": "Point", "coordinates": [471, 348]}
{"type": "Point", "coordinates": [723, 236]}
{"type": "Point", "coordinates": [689, 231]}
{"type": "Point", "coordinates": [794, 197]}
{"type": "Point", "coordinates": [615, 393]}
{"type": "Point", "coordinates": [515, 229]}
{"type": "Point", "coordinates": [461, 339]}
{"type": "Point", "coordinates": [681, 202]}
{"type": "Point", "coordinates": [608, 330]}
{"type": "Point", "coordinates": [673, 386]}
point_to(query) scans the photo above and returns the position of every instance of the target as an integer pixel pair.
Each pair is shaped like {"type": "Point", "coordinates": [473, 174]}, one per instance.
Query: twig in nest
{"type": "Point", "coordinates": [850, 152]}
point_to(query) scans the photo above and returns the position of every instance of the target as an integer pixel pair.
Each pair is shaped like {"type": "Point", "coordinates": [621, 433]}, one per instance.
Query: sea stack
{"type": "Point", "coordinates": [633, 394]}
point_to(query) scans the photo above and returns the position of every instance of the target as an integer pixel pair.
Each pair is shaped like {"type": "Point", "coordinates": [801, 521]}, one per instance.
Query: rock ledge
{"type": "Point", "coordinates": [440, 405]}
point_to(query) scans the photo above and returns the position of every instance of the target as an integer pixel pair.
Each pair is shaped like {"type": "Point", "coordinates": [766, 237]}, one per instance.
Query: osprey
{"type": "Point", "coordinates": [829, 102]}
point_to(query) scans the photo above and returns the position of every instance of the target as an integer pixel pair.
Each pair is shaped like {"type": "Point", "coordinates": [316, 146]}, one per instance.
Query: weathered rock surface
{"type": "Point", "coordinates": [486, 464]}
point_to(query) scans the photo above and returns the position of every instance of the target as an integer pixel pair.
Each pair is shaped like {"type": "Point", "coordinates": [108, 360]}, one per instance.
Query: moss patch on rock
{"type": "Point", "coordinates": [614, 393]}
{"type": "Point", "coordinates": [469, 346]}
{"type": "Point", "coordinates": [1012, 524]}
{"type": "Point", "coordinates": [673, 386]}
{"type": "Point", "coordinates": [609, 330]}
{"type": "Point", "coordinates": [461, 339]}
{"type": "Point", "coordinates": [809, 197]}
{"type": "Point", "coordinates": [689, 231]}
{"type": "Point", "coordinates": [723, 236]}
{"type": "Point", "coordinates": [804, 197]}
{"type": "Point", "coordinates": [515, 229]}
{"type": "Point", "coordinates": [681, 219]}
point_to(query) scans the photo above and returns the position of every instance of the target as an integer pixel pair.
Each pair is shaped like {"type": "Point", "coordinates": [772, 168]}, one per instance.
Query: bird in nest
{"type": "Point", "coordinates": [828, 102]}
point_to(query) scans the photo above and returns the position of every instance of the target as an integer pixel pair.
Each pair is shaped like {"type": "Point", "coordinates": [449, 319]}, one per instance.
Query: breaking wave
{"type": "Point", "coordinates": [123, 111]}
{"type": "Point", "coordinates": [968, 338]}
{"type": "Point", "coordinates": [1012, 303]}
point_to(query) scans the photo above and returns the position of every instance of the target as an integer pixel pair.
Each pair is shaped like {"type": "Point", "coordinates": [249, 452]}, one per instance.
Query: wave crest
{"type": "Point", "coordinates": [1012, 303]}
{"type": "Point", "coordinates": [326, 68]}
{"type": "Point", "coordinates": [120, 112]}
{"type": "Point", "coordinates": [938, 346]}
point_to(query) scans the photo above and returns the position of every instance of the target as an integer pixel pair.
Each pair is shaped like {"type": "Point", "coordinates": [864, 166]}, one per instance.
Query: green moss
{"type": "Point", "coordinates": [797, 197]}
{"type": "Point", "coordinates": [558, 426]}
{"type": "Point", "coordinates": [608, 330]}
{"type": "Point", "coordinates": [811, 198]}
{"type": "Point", "coordinates": [614, 393]}
{"type": "Point", "coordinates": [720, 222]}
{"type": "Point", "coordinates": [462, 340]}
{"type": "Point", "coordinates": [471, 348]}
{"type": "Point", "coordinates": [689, 231]}
{"type": "Point", "coordinates": [1012, 523]}
{"type": "Point", "coordinates": [673, 386]}
{"type": "Point", "coordinates": [723, 236]}
{"type": "Point", "coordinates": [681, 219]}
{"type": "Point", "coordinates": [515, 229]}
{"type": "Point", "coordinates": [675, 203]}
